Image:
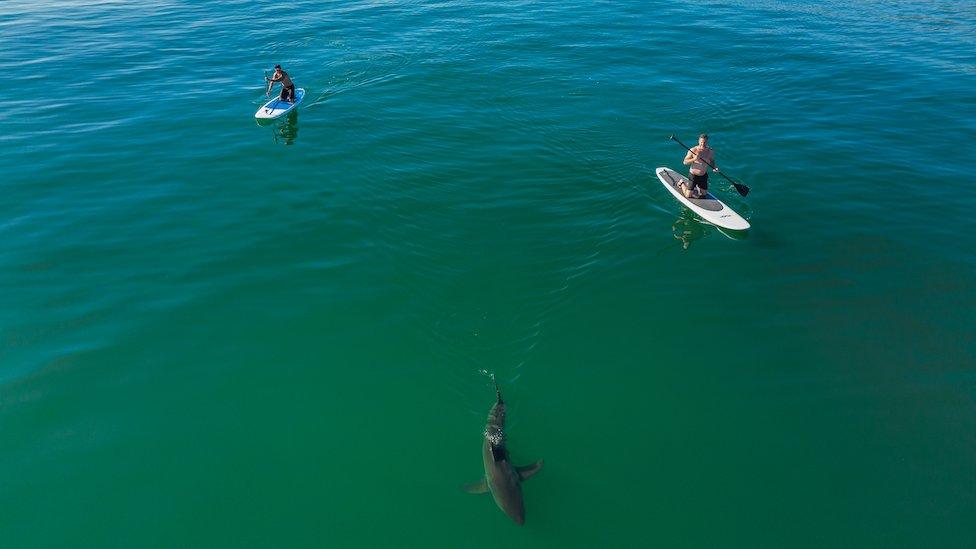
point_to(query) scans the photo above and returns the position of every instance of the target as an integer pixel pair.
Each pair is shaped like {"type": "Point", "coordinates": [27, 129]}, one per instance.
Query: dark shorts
{"type": "Point", "coordinates": [700, 181]}
{"type": "Point", "coordinates": [288, 93]}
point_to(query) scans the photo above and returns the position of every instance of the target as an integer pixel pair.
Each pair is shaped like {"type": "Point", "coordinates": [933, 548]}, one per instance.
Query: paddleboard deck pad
{"type": "Point", "coordinates": [708, 208]}
{"type": "Point", "coordinates": [277, 108]}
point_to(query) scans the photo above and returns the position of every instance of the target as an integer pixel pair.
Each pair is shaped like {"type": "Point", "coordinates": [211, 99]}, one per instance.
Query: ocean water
{"type": "Point", "coordinates": [219, 333]}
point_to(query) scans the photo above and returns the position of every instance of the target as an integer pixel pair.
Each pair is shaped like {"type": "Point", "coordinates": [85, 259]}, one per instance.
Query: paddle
{"type": "Point", "coordinates": [268, 93]}
{"type": "Point", "coordinates": [742, 189]}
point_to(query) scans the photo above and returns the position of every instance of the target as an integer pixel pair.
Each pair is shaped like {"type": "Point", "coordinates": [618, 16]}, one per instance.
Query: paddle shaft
{"type": "Point", "coordinates": [267, 93]}
{"type": "Point", "coordinates": [743, 190]}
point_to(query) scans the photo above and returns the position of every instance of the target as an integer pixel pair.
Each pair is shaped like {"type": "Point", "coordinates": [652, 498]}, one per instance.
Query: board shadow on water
{"type": "Point", "coordinates": [688, 228]}
{"type": "Point", "coordinates": [284, 130]}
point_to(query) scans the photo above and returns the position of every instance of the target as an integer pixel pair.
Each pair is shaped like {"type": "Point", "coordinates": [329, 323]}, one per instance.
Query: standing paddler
{"type": "Point", "coordinates": [287, 86]}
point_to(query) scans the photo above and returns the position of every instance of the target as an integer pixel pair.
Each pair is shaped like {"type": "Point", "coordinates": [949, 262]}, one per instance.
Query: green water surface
{"type": "Point", "coordinates": [219, 333]}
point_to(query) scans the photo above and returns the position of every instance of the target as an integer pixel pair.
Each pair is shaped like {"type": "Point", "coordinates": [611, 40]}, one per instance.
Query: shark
{"type": "Point", "coordinates": [502, 478]}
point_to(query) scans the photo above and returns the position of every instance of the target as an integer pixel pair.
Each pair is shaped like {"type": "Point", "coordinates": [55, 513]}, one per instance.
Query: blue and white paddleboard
{"type": "Point", "coordinates": [276, 107]}
{"type": "Point", "coordinates": [708, 208]}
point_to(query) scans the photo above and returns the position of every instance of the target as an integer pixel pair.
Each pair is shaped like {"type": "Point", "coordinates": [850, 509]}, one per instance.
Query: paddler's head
{"type": "Point", "coordinates": [277, 68]}
{"type": "Point", "coordinates": [703, 140]}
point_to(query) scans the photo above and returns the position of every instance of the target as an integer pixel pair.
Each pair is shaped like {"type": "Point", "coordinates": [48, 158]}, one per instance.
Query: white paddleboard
{"type": "Point", "coordinates": [709, 208]}
{"type": "Point", "coordinates": [276, 107]}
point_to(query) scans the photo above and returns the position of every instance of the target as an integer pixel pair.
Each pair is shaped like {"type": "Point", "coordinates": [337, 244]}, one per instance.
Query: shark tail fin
{"type": "Point", "coordinates": [479, 487]}
{"type": "Point", "coordinates": [498, 392]}
{"type": "Point", "coordinates": [527, 471]}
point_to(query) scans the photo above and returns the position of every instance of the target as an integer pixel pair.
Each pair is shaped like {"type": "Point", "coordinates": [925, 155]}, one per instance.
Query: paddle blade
{"type": "Point", "coordinates": [743, 190]}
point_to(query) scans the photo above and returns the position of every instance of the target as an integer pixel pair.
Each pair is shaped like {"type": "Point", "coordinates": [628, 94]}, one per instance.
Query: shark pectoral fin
{"type": "Point", "coordinates": [479, 487]}
{"type": "Point", "coordinates": [527, 471]}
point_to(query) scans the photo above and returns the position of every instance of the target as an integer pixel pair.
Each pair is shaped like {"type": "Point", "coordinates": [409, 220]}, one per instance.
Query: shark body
{"type": "Point", "coordinates": [502, 478]}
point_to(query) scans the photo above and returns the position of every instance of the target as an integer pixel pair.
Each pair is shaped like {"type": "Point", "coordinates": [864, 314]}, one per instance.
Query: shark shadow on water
{"type": "Point", "coordinates": [502, 478]}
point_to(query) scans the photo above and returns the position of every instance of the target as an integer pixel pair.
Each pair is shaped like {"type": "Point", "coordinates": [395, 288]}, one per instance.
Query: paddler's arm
{"type": "Point", "coordinates": [691, 156]}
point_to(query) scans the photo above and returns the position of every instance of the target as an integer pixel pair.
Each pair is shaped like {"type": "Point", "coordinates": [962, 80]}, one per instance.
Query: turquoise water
{"type": "Point", "coordinates": [216, 333]}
